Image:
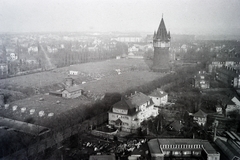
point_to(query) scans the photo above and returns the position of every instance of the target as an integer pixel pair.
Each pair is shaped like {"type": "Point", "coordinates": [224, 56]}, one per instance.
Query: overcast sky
{"type": "Point", "coordinates": [180, 16]}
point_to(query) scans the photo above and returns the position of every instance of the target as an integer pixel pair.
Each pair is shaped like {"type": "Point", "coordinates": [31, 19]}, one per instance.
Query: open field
{"type": "Point", "coordinates": [100, 77]}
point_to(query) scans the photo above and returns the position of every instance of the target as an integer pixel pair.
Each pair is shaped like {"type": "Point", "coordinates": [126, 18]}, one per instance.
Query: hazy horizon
{"type": "Point", "coordinates": [198, 17]}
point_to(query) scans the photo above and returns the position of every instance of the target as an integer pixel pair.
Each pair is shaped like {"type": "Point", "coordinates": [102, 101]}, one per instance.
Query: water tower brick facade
{"type": "Point", "coordinates": [161, 44]}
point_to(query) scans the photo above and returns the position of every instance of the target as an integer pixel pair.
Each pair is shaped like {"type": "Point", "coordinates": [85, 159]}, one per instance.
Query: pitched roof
{"type": "Point", "coordinates": [158, 93]}
{"type": "Point", "coordinates": [118, 121]}
{"type": "Point", "coordinates": [200, 113]}
{"type": "Point", "coordinates": [132, 102]}
{"type": "Point", "coordinates": [137, 99]}
{"type": "Point", "coordinates": [162, 32]}
{"type": "Point", "coordinates": [176, 125]}
{"type": "Point", "coordinates": [73, 88]}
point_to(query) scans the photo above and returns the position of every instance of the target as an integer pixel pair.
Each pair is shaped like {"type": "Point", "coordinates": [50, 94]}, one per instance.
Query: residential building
{"type": "Point", "coordinates": [127, 114]}
{"type": "Point", "coordinates": [229, 76]}
{"type": "Point", "coordinates": [222, 61]}
{"type": "Point", "coordinates": [159, 97]}
{"type": "Point", "coordinates": [73, 72]}
{"type": "Point", "coordinates": [133, 49]}
{"type": "Point", "coordinates": [72, 92]}
{"type": "Point", "coordinates": [176, 126]}
{"type": "Point", "coordinates": [219, 109]}
{"type": "Point", "coordinates": [33, 49]}
{"type": "Point", "coordinates": [200, 118]}
{"type": "Point", "coordinates": [161, 149]}
{"type": "Point", "coordinates": [201, 80]}
{"type": "Point", "coordinates": [161, 44]}
{"type": "Point", "coordinates": [128, 39]}
{"type": "Point", "coordinates": [231, 104]}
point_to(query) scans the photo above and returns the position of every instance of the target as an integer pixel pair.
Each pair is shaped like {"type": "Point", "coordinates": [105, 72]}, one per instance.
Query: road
{"type": "Point", "coordinates": [49, 63]}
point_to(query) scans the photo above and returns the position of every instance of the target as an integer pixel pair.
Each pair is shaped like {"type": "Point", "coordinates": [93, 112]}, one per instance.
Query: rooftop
{"type": "Point", "coordinates": [200, 113]}
{"type": "Point", "coordinates": [158, 93]}
{"type": "Point", "coordinates": [74, 88]}
{"type": "Point", "coordinates": [154, 144]}
{"type": "Point", "coordinates": [32, 129]}
{"type": "Point", "coordinates": [133, 101]}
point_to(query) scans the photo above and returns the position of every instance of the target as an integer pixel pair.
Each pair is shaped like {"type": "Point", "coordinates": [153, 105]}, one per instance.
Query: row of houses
{"type": "Point", "coordinates": [229, 76]}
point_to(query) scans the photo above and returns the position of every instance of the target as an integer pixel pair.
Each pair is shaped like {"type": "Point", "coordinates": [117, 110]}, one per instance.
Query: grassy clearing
{"type": "Point", "coordinates": [101, 77]}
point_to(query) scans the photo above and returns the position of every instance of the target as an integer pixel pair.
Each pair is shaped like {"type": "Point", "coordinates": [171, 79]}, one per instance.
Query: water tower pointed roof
{"type": "Point", "coordinates": [162, 32]}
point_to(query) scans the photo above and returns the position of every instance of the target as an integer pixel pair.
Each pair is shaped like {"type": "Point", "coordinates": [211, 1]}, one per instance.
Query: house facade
{"type": "Point", "coordinates": [200, 118]}
{"type": "Point", "coordinates": [229, 76]}
{"type": "Point", "coordinates": [201, 80]}
{"type": "Point", "coordinates": [159, 97]}
{"type": "Point", "coordinates": [127, 114]}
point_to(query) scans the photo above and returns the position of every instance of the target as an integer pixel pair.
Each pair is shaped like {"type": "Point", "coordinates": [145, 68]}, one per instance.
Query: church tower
{"type": "Point", "coordinates": [161, 44]}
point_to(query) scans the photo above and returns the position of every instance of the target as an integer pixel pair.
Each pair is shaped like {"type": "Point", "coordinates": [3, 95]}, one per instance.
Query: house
{"type": "Point", "coordinates": [219, 109]}
{"type": "Point", "coordinates": [73, 72]}
{"type": "Point", "coordinates": [32, 49]}
{"type": "Point", "coordinates": [72, 92]}
{"type": "Point", "coordinates": [159, 97]}
{"type": "Point", "coordinates": [176, 126]}
{"type": "Point", "coordinates": [201, 80]}
{"type": "Point", "coordinates": [133, 49]}
{"type": "Point", "coordinates": [231, 105]}
{"type": "Point", "coordinates": [200, 117]}
{"type": "Point", "coordinates": [229, 76]}
{"type": "Point", "coordinates": [127, 114]}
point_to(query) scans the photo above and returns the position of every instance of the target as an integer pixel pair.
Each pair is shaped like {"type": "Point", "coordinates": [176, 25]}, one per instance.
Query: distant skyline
{"type": "Point", "coordinates": [198, 17]}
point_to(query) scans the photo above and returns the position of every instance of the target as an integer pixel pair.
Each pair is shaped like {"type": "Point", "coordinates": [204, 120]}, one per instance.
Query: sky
{"type": "Point", "coordinates": [199, 17]}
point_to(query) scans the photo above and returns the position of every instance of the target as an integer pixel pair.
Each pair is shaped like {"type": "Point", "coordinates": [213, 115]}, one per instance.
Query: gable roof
{"type": "Point", "coordinates": [137, 99]}
{"type": "Point", "coordinates": [133, 101]}
{"type": "Point", "coordinates": [176, 125]}
{"type": "Point", "coordinates": [118, 121]}
{"type": "Point", "coordinates": [200, 113]}
{"type": "Point", "coordinates": [73, 89]}
{"type": "Point", "coordinates": [158, 93]}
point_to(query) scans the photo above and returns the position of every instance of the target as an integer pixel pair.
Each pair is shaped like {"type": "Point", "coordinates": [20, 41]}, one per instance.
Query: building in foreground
{"type": "Point", "coordinates": [127, 114]}
{"type": "Point", "coordinates": [160, 149]}
{"type": "Point", "coordinates": [229, 144]}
